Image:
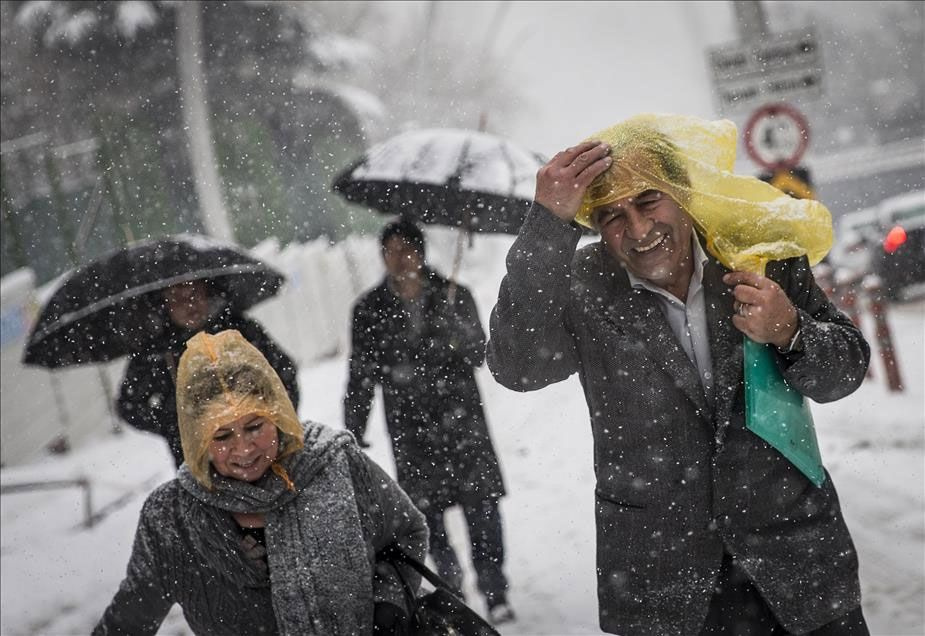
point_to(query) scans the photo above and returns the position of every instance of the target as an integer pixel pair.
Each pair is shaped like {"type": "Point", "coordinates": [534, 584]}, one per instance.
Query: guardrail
{"type": "Point", "coordinates": [83, 483]}
{"type": "Point", "coordinates": [852, 294]}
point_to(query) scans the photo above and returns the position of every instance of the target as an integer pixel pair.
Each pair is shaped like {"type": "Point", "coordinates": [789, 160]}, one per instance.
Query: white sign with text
{"type": "Point", "coordinates": [777, 68]}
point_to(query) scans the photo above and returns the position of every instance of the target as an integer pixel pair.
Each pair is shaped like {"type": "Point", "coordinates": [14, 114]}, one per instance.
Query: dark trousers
{"type": "Point", "coordinates": [737, 609]}
{"type": "Point", "coordinates": [483, 520]}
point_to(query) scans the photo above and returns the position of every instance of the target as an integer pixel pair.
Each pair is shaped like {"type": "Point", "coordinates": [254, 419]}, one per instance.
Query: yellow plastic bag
{"type": "Point", "coordinates": [221, 378]}
{"type": "Point", "coordinates": [745, 221]}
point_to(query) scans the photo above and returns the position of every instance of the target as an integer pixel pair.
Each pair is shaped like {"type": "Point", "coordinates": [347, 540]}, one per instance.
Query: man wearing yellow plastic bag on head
{"type": "Point", "coordinates": [702, 526]}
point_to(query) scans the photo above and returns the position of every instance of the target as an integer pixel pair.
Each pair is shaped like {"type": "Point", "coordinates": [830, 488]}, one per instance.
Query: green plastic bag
{"type": "Point", "coordinates": [779, 414]}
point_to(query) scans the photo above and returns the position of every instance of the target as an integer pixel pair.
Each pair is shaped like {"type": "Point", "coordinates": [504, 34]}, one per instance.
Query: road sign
{"type": "Point", "coordinates": [776, 136]}
{"type": "Point", "coordinates": [779, 67]}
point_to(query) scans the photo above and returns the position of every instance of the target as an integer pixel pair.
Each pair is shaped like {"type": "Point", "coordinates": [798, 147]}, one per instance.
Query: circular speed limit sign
{"type": "Point", "coordinates": [776, 136]}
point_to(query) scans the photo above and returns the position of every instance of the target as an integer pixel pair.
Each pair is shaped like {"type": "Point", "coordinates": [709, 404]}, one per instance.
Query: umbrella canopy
{"type": "Point", "coordinates": [459, 178]}
{"type": "Point", "coordinates": [113, 306]}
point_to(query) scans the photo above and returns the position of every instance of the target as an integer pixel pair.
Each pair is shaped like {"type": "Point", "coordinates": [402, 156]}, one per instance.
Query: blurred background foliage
{"type": "Point", "coordinates": [96, 152]}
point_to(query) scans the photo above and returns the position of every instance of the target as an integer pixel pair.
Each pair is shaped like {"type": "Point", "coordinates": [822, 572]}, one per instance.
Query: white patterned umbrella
{"type": "Point", "coordinates": [460, 178]}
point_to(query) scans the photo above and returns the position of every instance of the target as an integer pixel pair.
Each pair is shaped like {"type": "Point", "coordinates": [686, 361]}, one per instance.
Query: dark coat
{"type": "Point", "coordinates": [440, 440]}
{"type": "Point", "coordinates": [216, 586]}
{"type": "Point", "coordinates": [148, 397]}
{"type": "Point", "coordinates": [679, 478]}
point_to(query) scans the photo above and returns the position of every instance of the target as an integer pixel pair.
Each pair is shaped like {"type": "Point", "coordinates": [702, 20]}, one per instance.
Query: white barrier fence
{"type": "Point", "coordinates": [310, 318]}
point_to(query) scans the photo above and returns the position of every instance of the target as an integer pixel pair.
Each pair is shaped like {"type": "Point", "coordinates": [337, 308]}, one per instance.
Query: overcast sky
{"type": "Point", "coordinates": [583, 66]}
{"type": "Point", "coordinates": [574, 68]}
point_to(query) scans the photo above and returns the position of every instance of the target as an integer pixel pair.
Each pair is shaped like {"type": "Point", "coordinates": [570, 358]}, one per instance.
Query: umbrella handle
{"type": "Point", "coordinates": [171, 365]}
{"type": "Point", "coordinates": [457, 261]}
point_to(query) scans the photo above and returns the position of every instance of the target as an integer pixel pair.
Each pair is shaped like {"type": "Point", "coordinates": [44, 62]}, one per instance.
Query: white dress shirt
{"type": "Point", "coordinates": [688, 320]}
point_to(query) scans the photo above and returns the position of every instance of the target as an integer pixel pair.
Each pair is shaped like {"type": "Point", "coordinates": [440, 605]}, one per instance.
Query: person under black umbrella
{"type": "Point", "coordinates": [147, 399]}
{"type": "Point", "coordinates": [422, 347]}
{"type": "Point", "coordinates": [145, 300]}
{"type": "Point", "coordinates": [466, 179]}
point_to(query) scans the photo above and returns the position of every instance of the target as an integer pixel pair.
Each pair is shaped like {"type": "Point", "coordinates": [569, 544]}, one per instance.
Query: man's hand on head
{"type": "Point", "coordinates": [762, 310]}
{"type": "Point", "coordinates": [561, 183]}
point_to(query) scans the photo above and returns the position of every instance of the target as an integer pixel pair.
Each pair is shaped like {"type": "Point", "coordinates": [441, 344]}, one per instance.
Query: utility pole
{"type": "Point", "coordinates": [197, 120]}
{"type": "Point", "coordinates": [751, 20]}
{"type": "Point", "coordinates": [423, 44]}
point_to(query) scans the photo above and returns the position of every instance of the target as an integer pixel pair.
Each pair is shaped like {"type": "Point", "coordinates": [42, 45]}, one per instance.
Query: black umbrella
{"type": "Point", "coordinates": [113, 306]}
{"type": "Point", "coordinates": [460, 178]}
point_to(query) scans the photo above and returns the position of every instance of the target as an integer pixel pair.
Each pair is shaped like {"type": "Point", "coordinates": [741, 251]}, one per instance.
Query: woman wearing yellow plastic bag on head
{"type": "Point", "coordinates": [702, 525]}
{"type": "Point", "coordinates": [270, 527]}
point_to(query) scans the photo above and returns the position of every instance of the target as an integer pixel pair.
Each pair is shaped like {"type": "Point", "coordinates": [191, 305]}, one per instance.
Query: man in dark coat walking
{"type": "Point", "coordinates": [419, 337]}
{"type": "Point", "coordinates": [147, 399]}
{"type": "Point", "coordinates": [702, 526]}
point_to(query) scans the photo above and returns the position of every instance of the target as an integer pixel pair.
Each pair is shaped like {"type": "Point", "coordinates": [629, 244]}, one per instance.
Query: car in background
{"type": "Point", "coordinates": [856, 236]}
{"type": "Point", "coordinates": [887, 240]}
{"type": "Point", "coordinates": [900, 257]}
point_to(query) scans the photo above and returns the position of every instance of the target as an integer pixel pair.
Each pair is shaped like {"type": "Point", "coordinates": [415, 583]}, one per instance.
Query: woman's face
{"type": "Point", "coordinates": [188, 304]}
{"type": "Point", "coordinates": [245, 448]}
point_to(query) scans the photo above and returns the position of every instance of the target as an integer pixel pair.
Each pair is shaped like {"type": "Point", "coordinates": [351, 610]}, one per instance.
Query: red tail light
{"type": "Point", "coordinates": [894, 238]}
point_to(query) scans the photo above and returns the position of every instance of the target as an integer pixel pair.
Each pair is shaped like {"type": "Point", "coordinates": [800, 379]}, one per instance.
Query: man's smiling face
{"type": "Point", "coordinates": [651, 236]}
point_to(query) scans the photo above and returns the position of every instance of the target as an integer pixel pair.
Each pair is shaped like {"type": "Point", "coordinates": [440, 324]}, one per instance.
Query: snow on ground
{"type": "Point", "coordinates": [57, 576]}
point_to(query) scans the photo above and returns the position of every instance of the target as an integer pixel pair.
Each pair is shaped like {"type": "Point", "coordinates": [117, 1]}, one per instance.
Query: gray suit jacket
{"type": "Point", "coordinates": [679, 478]}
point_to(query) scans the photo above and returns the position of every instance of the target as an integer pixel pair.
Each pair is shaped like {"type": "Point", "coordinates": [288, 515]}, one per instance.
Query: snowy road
{"type": "Point", "coordinates": [57, 577]}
